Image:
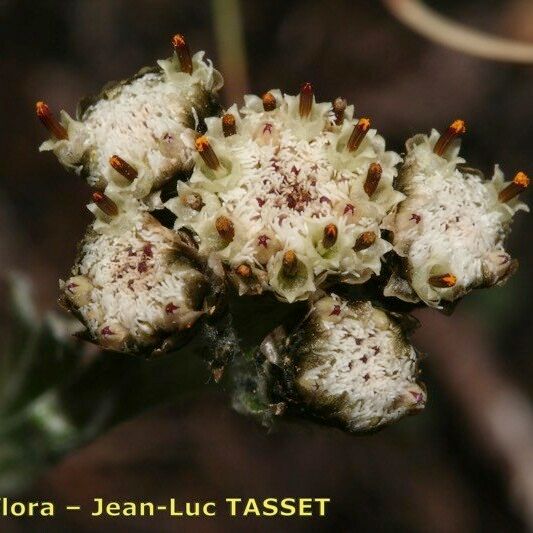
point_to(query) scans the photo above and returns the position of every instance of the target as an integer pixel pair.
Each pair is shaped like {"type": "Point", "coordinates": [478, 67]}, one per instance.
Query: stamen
{"type": "Point", "coordinates": [306, 100]}
{"type": "Point", "coordinates": [182, 52]}
{"type": "Point", "coordinates": [50, 122]}
{"type": "Point", "coordinates": [358, 134]}
{"type": "Point", "coordinates": [364, 241]}
{"type": "Point", "coordinates": [123, 168]}
{"type": "Point", "coordinates": [290, 263]}
{"type": "Point", "coordinates": [228, 125]}
{"type": "Point", "coordinates": [519, 184]}
{"type": "Point", "coordinates": [372, 179]}
{"type": "Point", "coordinates": [456, 128]}
{"type": "Point", "coordinates": [443, 281]}
{"type": "Point", "coordinates": [339, 106]}
{"type": "Point", "coordinates": [192, 200]}
{"type": "Point", "coordinates": [269, 102]}
{"type": "Point", "coordinates": [244, 271]}
{"type": "Point", "coordinates": [207, 153]}
{"type": "Point", "coordinates": [225, 228]}
{"type": "Point", "coordinates": [105, 204]}
{"type": "Point", "coordinates": [330, 235]}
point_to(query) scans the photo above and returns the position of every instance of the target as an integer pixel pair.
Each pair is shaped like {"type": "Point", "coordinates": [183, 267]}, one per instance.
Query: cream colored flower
{"type": "Point", "coordinates": [132, 138]}
{"type": "Point", "coordinates": [349, 364]}
{"type": "Point", "coordinates": [450, 229]}
{"type": "Point", "coordinates": [133, 287]}
{"type": "Point", "coordinates": [290, 177]}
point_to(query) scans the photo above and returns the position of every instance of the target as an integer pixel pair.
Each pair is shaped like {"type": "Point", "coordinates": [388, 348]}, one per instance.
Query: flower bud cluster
{"type": "Point", "coordinates": [136, 285]}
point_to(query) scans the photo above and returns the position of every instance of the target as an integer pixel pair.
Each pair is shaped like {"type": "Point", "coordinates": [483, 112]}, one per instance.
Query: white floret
{"type": "Point", "coordinates": [450, 222]}
{"type": "Point", "coordinates": [283, 179]}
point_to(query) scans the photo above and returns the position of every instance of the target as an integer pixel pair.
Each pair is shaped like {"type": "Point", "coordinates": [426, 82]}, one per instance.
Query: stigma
{"type": "Point", "coordinates": [358, 134]}
{"type": "Point", "coordinates": [455, 129]}
{"type": "Point", "coordinates": [182, 52]}
{"type": "Point", "coordinates": [519, 184]}
{"type": "Point", "coordinates": [123, 168]}
{"type": "Point", "coordinates": [46, 116]}
{"type": "Point", "coordinates": [443, 281]}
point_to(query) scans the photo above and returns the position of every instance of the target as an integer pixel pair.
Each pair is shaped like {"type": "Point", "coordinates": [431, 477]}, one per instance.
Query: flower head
{"type": "Point", "coordinates": [291, 178]}
{"type": "Point", "coordinates": [349, 364]}
{"type": "Point", "coordinates": [132, 138]}
{"type": "Point", "coordinates": [134, 288]}
{"type": "Point", "coordinates": [450, 229]}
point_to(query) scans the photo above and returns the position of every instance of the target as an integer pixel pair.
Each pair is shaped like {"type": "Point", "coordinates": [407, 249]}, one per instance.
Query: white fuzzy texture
{"type": "Point", "coordinates": [140, 288]}
{"type": "Point", "coordinates": [284, 178]}
{"type": "Point", "coordinates": [360, 362]}
{"type": "Point", "coordinates": [450, 222]}
{"type": "Point", "coordinates": [144, 121]}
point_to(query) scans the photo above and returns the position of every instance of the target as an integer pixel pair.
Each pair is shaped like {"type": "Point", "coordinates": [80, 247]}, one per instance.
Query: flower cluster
{"type": "Point", "coordinates": [136, 285]}
{"type": "Point", "coordinates": [284, 197]}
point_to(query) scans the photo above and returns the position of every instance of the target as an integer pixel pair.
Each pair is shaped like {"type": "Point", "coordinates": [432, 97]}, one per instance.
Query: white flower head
{"type": "Point", "coordinates": [349, 364]}
{"type": "Point", "coordinates": [132, 137]}
{"type": "Point", "coordinates": [297, 183]}
{"type": "Point", "coordinates": [134, 288]}
{"type": "Point", "coordinates": [450, 229]}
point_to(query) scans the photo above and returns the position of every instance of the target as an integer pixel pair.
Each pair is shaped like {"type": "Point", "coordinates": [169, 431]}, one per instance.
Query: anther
{"type": "Point", "coordinates": [290, 263]}
{"type": "Point", "coordinates": [330, 235]}
{"type": "Point", "coordinates": [182, 52]}
{"type": "Point", "coordinates": [358, 134]}
{"type": "Point", "coordinates": [443, 281]}
{"type": "Point", "coordinates": [207, 153]}
{"type": "Point", "coordinates": [306, 100]}
{"type": "Point", "coordinates": [123, 168]}
{"type": "Point", "coordinates": [49, 121]}
{"type": "Point", "coordinates": [269, 102]}
{"type": "Point", "coordinates": [228, 125]}
{"type": "Point", "coordinates": [105, 204]}
{"type": "Point", "coordinates": [519, 184]}
{"type": "Point", "coordinates": [456, 129]}
{"type": "Point", "coordinates": [364, 241]}
{"type": "Point", "coordinates": [339, 106]}
{"type": "Point", "coordinates": [192, 200]}
{"type": "Point", "coordinates": [372, 179]}
{"type": "Point", "coordinates": [225, 228]}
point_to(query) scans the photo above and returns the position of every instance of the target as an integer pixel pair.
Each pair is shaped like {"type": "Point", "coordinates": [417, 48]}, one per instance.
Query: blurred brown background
{"type": "Point", "coordinates": [466, 463]}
